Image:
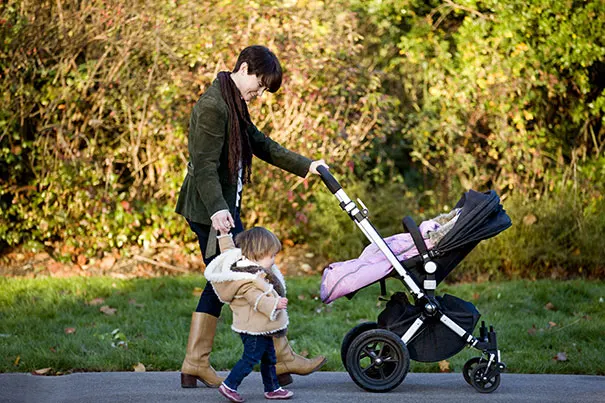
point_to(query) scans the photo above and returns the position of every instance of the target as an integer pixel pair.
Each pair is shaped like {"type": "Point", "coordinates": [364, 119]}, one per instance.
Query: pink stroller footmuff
{"type": "Point", "coordinates": [342, 278]}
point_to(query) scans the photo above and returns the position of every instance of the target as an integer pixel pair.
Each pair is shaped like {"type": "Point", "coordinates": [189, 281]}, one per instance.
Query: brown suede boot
{"type": "Point", "coordinates": [288, 362]}
{"type": "Point", "coordinates": [196, 365]}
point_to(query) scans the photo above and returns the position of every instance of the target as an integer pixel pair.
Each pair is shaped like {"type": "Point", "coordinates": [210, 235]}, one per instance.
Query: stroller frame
{"type": "Point", "coordinates": [483, 373]}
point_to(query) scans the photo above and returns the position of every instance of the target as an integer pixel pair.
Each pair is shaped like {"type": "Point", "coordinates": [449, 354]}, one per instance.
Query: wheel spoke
{"type": "Point", "coordinates": [381, 348]}
{"type": "Point", "coordinates": [381, 370]}
{"type": "Point", "coordinates": [368, 353]}
{"type": "Point", "coordinates": [365, 370]}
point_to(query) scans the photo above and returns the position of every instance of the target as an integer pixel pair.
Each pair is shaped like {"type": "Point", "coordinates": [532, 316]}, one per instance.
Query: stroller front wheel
{"type": "Point", "coordinates": [482, 380]}
{"type": "Point", "coordinates": [468, 368]}
{"type": "Point", "coordinates": [378, 360]}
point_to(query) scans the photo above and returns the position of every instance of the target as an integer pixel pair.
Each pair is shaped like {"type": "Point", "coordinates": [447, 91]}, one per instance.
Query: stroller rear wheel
{"type": "Point", "coordinates": [352, 334]}
{"type": "Point", "coordinates": [378, 360]}
{"type": "Point", "coordinates": [482, 381]}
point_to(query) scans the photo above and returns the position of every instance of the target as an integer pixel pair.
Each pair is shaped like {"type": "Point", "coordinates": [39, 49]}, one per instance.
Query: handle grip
{"type": "Point", "coordinates": [328, 179]}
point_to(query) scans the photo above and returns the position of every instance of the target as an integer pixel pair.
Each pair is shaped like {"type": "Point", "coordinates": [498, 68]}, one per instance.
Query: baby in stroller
{"type": "Point", "coordinates": [429, 328]}
{"type": "Point", "coordinates": [342, 278]}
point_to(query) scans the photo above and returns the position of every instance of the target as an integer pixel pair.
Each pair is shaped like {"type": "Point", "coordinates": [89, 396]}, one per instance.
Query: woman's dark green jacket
{"type": "Point", "coordinates": [207, 188]}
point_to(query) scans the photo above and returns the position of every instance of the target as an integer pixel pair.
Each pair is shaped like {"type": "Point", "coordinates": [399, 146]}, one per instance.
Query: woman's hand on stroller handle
{"type": "Point", "coordinates": [328, 179]}
{"type": "Point", "coordinates": [316, 164]}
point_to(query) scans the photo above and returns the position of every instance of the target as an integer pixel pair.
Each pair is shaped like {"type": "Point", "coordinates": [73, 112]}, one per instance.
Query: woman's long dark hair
{"type": "Point", "coordinates": [263, 63]}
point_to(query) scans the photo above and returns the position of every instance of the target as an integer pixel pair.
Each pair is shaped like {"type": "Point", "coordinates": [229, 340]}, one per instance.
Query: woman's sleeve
{"type": "Point", "coordinates": [273, 153]}
{"type": "Point", "coordinates": [206, 144]}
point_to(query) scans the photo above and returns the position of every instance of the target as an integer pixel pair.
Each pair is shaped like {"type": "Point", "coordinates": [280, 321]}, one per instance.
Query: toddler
{"type": "Point", "coordinates": [247, 279]}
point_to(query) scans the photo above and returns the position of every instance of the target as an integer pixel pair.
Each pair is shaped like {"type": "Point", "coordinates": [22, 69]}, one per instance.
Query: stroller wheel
{"type": "Point", "coordinates": [352, 334]}
{"type": "Point", "coordinates": [378, 360]}
{"type": "Point", "coordinates": [468, 368]}
{"type": "Point", "coordinates": [482, 383]}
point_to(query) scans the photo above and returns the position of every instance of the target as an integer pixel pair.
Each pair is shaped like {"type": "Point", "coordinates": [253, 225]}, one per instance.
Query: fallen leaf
{"type": "Point", "coordinates": [107, 262]}
{"type": "Point", "coordinates": [476, 296]}
{"type": "Point", "coordinates": [301, 297]}
{"type": "Point", "coordinates": [107, 310]}
{"type": "Point", "coordinates": [96, 301]}
{"type": "Point", "coordinates": [530, 219]}
{"type": "Point", "coordinates": [52, 349]}
{"type": "Point", "coordinates": [560, 357]}
{"type": "Point", "coordinates": [550, 307]}
{"type": "Point", "coordinates": [532, 330]}
{"type": "Point", "coordinates": [134, 302]}
{"type": "Point", "coordinates": [41, 371]}
{"type": "Point", "coordinates": [197, 291]}
{"type": "Point", "coordinates": [444, 366]}
{"type": "Point", "coordinates": [288, 242]}
{"type": "Point", "coordinates": [17, 360]}
{"type": "Point", "coordinates": [551, 324]}
{"type": "Point", "coordinates": [81, 260]}
{"type": "Point", "coordinates": [139, 367]}
{"type": "Point", "coordinates": [70, 330]}
{"type": "Point", "coordinates": [304, 353]}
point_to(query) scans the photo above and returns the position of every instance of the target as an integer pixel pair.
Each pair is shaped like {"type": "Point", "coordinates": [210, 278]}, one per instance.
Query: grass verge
{"type": "Point", "coordinates": [67, 325]}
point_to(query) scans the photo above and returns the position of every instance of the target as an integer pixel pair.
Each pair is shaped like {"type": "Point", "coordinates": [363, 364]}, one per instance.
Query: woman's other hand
{"type": "Point", "coordinates": [315, 164]}
{"type": "Point", "coordinates": [223, 222]}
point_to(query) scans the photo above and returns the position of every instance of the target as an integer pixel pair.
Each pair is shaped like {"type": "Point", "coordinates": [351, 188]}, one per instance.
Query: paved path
{"type": "Point", "coordinates": [332, 387]}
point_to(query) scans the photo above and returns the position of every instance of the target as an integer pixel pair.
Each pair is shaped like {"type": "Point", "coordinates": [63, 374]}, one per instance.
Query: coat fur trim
{"type": "Point", "coordinates": [272, 332]}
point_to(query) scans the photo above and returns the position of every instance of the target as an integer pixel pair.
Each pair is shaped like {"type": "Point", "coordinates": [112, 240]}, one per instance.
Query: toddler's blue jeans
{"type": "Point", "coordinates": [256, 349]}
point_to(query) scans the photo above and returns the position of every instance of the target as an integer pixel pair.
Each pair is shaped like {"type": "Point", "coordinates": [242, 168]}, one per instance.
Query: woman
{"type": "Point", "coordinates": [222, 141]}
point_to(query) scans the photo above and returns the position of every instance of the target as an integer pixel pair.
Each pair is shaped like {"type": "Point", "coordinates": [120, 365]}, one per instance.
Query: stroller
{"type": "Point", "coordinates": [432, 328]}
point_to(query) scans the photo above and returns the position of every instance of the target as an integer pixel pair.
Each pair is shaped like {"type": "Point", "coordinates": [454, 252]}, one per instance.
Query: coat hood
{"type": "Point", "coordinates": [220, 269]}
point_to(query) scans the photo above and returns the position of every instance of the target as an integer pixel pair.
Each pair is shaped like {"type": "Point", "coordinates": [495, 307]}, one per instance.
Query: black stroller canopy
{"type": "Point", "coordinates": [482, 217]}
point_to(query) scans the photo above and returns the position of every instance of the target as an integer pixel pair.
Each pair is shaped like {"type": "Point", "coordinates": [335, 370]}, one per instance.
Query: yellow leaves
{"type": "Point", "coordinates": [528, 115]}
{"type": "Point", "coordinates": [529, 219]}
{"type": "Point", "coordinates": [96, 301]}
{"type": "Point", "coordinates": [17, 360]}
{"type": "Point", "coordinates": [107, 310]}
{"type": "Point", "coordinates": [138, 367]}
{"type": "Point", "coordinates": [197, 291]}
{"type": "Point", "coordinates": [42, 371]}
{"type": "Point", "coordinates": [444, 366]}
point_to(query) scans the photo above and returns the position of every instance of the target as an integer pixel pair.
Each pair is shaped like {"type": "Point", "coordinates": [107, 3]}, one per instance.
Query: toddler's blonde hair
{"type": "Point", "coordinates": [257, 243]}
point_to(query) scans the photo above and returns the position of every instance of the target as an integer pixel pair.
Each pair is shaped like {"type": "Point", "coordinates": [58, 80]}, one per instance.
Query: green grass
{"type": "Point", "coordinates": [153, 318]}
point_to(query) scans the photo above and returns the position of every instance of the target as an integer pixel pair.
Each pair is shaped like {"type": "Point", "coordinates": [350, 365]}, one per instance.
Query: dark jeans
{"type": "Point", "coordinates": [256, 349]}
{"type": "Point", "coordinates": [209, 302]}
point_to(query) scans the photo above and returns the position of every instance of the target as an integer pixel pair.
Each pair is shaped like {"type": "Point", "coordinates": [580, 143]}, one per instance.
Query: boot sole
{"type": "Point", "coordinates": [190, 381]}
{"type": "Point", "coordinates": [286, 378]}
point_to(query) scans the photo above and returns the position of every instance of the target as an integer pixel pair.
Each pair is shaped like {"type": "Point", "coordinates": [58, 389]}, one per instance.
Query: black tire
{"type": "Point", "coordinates": [484, 385]}
{"type": "Point", "coordinates": [468, 368]}
{"type": "Point", "coordinates": [378, 360]}
{"type": "Point", "coordinates": [353, 333]}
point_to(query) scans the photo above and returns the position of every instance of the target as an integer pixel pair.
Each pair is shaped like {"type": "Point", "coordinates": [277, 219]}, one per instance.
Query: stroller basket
{"type": "Point", "coordinates": [436, 342]}
{"type": "Point", "coordinates": [430, 328]}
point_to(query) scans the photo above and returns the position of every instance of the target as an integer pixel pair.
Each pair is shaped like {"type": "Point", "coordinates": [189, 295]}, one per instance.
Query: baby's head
{"type": "Point", "coordinates": [260, 245]}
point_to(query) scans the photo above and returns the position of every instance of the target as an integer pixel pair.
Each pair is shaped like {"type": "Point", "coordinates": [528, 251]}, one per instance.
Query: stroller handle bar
{"type": "Point", "coordinates": [360, 217]}
{"type": "Point", "coordinates": [328, 179]}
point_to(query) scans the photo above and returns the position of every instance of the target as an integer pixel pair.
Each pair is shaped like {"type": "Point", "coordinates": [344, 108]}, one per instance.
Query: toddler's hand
{"type": "Point", "coordinates": [283, 303]}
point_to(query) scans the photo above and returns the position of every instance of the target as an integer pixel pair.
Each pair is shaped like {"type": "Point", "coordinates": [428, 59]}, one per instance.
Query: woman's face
{"type": "Point", "coordinates": [249, 85]}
